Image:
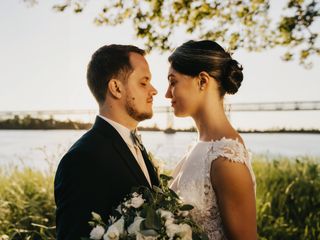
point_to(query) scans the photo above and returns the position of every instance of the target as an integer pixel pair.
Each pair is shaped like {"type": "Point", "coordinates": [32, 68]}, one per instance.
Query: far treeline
{"type": "Point", "coordinates": [31, 123]}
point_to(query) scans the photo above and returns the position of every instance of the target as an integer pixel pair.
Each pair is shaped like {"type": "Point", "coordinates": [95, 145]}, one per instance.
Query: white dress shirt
{"type": "Point", "coordinates": [125, 133]}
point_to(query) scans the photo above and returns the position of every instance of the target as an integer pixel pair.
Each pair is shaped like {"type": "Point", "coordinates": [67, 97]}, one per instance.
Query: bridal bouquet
{"type": "Point", "coordinates": [148, 215]}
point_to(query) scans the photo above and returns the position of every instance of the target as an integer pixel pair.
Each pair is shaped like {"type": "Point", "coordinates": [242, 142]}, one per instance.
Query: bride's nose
{"type": "Point", "coordinates": [168, 93]}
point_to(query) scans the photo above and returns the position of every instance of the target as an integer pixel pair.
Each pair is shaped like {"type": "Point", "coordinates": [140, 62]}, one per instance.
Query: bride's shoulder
{"type": "Point", "coordinates": [229, 148]}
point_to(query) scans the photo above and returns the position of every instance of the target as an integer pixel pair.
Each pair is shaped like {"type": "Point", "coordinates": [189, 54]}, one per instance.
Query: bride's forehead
{"type": "Point", "coordinates": [173, 73]}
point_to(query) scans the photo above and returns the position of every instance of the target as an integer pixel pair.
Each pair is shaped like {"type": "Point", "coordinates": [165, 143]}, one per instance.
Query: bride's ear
{"type": "Point", "coordinates": [115, 88]}
{"type": "Point", "coordinates": [203, 80]}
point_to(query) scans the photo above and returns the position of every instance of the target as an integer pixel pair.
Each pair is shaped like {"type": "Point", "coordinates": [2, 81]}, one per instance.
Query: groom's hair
{"type": "Point", "coordinates": [109, 61]}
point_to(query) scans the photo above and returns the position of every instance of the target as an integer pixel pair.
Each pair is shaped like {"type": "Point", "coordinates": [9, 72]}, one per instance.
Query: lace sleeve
{"type": "Point", "coordinates": [232, 150]}
{"type": "Point", "coordinates": [228, 148]}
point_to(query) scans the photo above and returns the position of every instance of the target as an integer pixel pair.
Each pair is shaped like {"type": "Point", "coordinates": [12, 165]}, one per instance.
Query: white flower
{"type": "Point", "coordinates": [119, 225]}
{"type": "Point", "coordinates": [127, 204]}
{"type": "Point", "coordinates": [112, 220]}
{"type": "Point", "coordinates": [183, 213]}
{"type": "Point", "coordinates": [172, 229]}
{"type": "Point", "coordinates": [165, 214]}
{"type": "Point", "coordinates": [135, 226]}
{"type": "Point", "coordinates": [4, 237]}
{"type": "Point", "coordinates": [119, 209]}
{"type": "Point", "coordinates": [97, 232]}
{"type": "Point", "coordinates": [137, 201]}
{"type": "Point", "coordinates": [185, 232]}
{"type": "Point", "coordinates": [135, 194]}
{"type": "Point", "coordinates": [112, 233]}
{"type": "Point", "coordinates": [96, 216]}
{"type": "Point", "coordinates": [140, 236]}
{"type": "Point", "coordinates": [169, 221]}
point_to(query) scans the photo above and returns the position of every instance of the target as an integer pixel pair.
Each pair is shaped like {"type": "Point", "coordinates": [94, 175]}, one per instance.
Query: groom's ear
{"type": "Point", "coordinates": [115, 88]}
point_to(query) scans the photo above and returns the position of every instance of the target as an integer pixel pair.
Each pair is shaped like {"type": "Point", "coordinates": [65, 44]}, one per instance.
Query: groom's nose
{"type": "Point", "coordinates": [153, 90]}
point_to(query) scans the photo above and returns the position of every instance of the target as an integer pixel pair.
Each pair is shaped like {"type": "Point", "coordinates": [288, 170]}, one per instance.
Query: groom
{"type": "Point", "coordinates": [106, 162]}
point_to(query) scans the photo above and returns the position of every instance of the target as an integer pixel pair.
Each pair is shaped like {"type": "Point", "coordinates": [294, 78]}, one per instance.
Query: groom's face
{"type": "Point", "coordinates": [139, 91]}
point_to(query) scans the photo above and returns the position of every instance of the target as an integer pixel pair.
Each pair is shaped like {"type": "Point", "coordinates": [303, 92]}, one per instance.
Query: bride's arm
{"type": "Point", "coordinates": [234, 189]}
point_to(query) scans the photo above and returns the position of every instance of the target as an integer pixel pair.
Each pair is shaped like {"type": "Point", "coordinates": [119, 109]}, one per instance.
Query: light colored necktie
{"type": "Point", "coordinates": [137, 139]}
{"type": "Point", "coordinates": [138, 146]}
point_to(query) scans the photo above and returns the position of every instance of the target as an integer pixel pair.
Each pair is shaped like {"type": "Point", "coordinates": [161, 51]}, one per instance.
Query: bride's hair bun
{"type": "Point", "coordinates": [193, 57]}
{"type": "Point", "coordinates": [232, 76]}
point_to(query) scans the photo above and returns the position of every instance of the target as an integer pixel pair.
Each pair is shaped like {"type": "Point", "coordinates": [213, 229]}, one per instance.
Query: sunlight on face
{"type": "Point", "coordinates": [183, 92]}
{"type": "Point", "coordinates": [139, 91]}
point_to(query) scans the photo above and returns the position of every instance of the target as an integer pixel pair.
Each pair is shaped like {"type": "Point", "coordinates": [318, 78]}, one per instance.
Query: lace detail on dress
{"type": "Point", "coordinates": [231, 149]}
{"type": "Point", "coordinates": [193, 184]}
{"type": "Point", "coordinates": [228, 148]}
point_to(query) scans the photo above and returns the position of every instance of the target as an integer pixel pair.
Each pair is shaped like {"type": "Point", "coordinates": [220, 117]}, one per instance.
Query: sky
{"type": "Point", "coordinates": [44, 55]}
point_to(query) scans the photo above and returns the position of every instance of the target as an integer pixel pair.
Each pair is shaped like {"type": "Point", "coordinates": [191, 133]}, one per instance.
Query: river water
{"type": "Point", "coordinates": [38, 147]}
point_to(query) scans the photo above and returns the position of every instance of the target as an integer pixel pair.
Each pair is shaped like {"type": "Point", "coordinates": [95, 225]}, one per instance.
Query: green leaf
{"type": "Point", "coordinates": [157, 189]}
{"type": "Point", "coordinates": [186, 207]}
{"type": "Point", "coordinates": [165, 177]}
{"type": "Point", "coordinates": [153, 220]}
{"type": "Point", "coordinates": [149, 232]}
{"type": "Point", "coordinates": [173, 193]}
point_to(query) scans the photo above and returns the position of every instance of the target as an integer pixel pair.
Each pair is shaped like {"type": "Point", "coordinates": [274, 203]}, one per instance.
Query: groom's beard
{"type": "Point", "coordinates": [134, 112]}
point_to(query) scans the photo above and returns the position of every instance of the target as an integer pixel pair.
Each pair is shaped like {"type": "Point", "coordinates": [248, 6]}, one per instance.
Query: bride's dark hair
{"type": "Point", "coordinates": [193, 57]}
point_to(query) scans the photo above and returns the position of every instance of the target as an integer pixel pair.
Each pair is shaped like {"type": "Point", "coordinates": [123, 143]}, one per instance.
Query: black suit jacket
{"type": "Point", "coordinates": [94, 175]}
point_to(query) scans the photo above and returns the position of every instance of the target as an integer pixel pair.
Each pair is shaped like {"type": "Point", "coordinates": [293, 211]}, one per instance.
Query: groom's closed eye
{"type": "Point", "coordinates": [145, 82]}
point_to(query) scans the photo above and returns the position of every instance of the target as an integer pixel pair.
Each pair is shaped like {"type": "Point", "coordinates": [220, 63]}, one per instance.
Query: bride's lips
{"type": "Point", "coordinates": [173, 103]}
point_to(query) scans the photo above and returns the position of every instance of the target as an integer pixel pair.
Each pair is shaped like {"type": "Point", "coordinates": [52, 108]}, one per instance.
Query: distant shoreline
{"type": "Point", "coordinates": [298, 131]}
{"type": "Point", "coordinates": [29, 123]}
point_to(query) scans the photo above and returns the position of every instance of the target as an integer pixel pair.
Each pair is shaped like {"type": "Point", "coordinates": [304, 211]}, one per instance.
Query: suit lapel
{"type": "Point", "coordinates": [131, 162]}
{"type": "Point", "coordinates": [122, 148]}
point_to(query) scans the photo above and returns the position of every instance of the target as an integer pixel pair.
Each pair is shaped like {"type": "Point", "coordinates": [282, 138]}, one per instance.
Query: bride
{"type": "Point", "coordinates": [215, 176]}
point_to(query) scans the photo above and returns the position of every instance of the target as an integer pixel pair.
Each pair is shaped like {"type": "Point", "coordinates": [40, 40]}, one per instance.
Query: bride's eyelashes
{"type": "Point", "coordinates": [172, 82]}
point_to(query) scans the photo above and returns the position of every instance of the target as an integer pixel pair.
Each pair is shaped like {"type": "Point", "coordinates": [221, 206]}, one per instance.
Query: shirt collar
{"type": "Point", "coordinates": [124, 132]}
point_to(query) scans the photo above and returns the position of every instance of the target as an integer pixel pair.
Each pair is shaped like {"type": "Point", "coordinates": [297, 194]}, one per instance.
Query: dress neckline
{"type": "Point", "coordinates": [220, 140]}
{"type": "Point", "coordinates": [223, 139]}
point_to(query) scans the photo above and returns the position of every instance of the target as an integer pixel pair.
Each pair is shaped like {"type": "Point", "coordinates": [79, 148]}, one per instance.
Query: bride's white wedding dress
{"type": "Point", "coordinates": [192, 180]}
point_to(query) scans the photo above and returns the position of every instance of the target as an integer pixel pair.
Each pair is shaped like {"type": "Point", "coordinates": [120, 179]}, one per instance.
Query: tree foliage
{"type": "Point", "coordinates": [237, 24]}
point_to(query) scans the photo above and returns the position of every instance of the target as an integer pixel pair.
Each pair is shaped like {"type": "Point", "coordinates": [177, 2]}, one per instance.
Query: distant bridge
{"type": "Point", "coordinates": [274, 106]}
{"type": "Point", "coordinates": [236, 107]}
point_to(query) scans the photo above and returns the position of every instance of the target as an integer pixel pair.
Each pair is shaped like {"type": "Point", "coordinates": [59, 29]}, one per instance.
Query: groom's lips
{"type": "Point", "coordinates": [173, 103]}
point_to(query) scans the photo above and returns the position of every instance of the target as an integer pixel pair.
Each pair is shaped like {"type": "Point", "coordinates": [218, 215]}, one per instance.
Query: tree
{"type": "Point", "coordinates": [234, 23]}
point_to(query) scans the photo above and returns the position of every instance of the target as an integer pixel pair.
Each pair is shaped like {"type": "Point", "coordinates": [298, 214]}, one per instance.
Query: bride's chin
{"type": "Point", "coordinates": [180, 114]}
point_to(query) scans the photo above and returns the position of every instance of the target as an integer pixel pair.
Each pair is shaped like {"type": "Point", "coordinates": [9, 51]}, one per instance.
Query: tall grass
{"type": "Point", "coordinates": [26, 204]}
{"type": "Point", "coordinates": [288, 200]}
